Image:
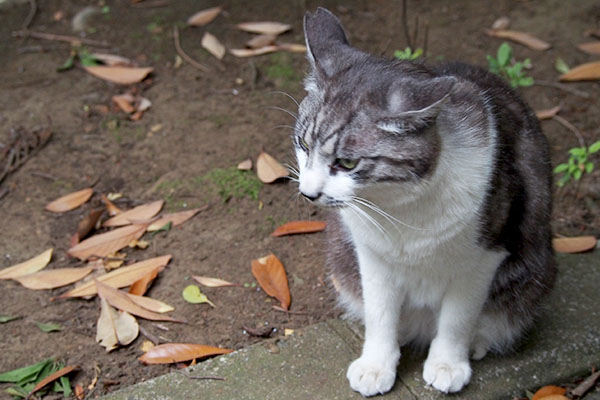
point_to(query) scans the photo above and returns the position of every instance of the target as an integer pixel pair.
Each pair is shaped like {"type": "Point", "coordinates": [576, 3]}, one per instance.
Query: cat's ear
{"type": "Point", "coordinates": [325, 41]}
{"type": "Point", "coordinates": [415, 103]}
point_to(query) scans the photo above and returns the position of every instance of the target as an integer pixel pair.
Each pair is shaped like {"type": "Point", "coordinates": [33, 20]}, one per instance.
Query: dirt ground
{"type": "Point", "coordinates": [203, 121]}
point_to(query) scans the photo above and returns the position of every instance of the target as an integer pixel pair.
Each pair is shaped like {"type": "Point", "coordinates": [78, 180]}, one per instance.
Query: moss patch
{"type": "Point", "coordinates": [231, 182]}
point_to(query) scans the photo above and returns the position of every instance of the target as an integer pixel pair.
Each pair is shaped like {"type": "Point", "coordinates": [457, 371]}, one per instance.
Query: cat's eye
{"type": "Point", "coordinates": [303, 144]}
{"type": "Point", "coordinates": [346, 163]}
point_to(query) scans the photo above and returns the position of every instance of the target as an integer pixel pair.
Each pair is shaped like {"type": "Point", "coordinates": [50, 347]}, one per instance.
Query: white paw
{"type": "Point", "coordinates": [369, 377]}
{"type": "Point", "coordinates": [447, 376]}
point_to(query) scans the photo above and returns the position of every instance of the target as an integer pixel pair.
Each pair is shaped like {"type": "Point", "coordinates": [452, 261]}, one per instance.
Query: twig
{"type": "Point", "coordinates": [151, 4]}
{"type": "Point", "coordinates": [44, 175]}
{"type": "Point", "coordinates": [586, 385]}
{"type": "Point", "coordinates": [214, 378]}
{"type": "Point", "coordinates": [563, 88]}
{"type": "Point", "coordinates": [31, 15]}
{"type": "Point", "coordinates": [278, 308]}
{"type": "Point", "coordinates": [59, 38]}
{"type": "Point", "coordinates": [182, 53]}
{"type": "Point", "coordinates": [149, 335]}
{"type": "Point", "coordinates": [570, 127]}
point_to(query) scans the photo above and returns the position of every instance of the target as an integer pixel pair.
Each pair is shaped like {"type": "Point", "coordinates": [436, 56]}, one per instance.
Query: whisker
{"type": "Point", "coordinates": [290, 113]}
{"type": "Point", "coordinates": [387, 216]}
{"type": "Point", "coordinates": [284, 126]}
{"type": "Point", "coordinates": [288, 95]}
{"type": "Point", "coordinates": [360, 212]}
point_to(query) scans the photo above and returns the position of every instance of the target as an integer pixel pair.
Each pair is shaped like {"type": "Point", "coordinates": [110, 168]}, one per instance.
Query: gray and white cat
{"type": "Point", "coordinates": [438, 181]}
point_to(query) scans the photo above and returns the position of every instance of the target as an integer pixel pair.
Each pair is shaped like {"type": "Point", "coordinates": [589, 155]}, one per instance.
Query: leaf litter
{"type": "Point", "coordinates": [115, 328]}
{"type": "Point", "coordinates": [193, 295]}
{"type": "Point", "coordinates": [268, 169]}
{"type": "Point", "coordinates": [213, 45]}
{"type": "Point", "coordinates": [140, 213]}
{"type": "Point", "coordinates": [106, 243]}
{"type": "Point", "coordinates": [584, 72]}
{"type": "Point", "coordinates": [30, 266]}
{"type": "Point", "coordinates": [53, 278]}
{"type": "Point", "coordinates": [523, 38]}
{"type": "Point", "coordinates": [204, 17]}
{"type": "Point", "coordinates": [213, 282]}
{"type": "Point", "coordinates": [70, 201]}
{"type": "Point", "coordinates": [271, 276]}
{"type": "Point", "coordinates": [296, 227]}
{"type": "Point", "coordinates": [177, 352]}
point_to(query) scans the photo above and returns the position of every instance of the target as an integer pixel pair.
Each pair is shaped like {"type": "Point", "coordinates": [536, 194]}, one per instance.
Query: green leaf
{"type": "Point", "coordinates": [527, 81]}
{"type": "Point", "coordinates": [65, 384]}
{"type": "Point", "coordinates": [589, 167]}
{"type": "Point", "coordinates": [49, 327]}
{"type": "Point", "coordinates": [577, 174]}
{"type": "Point", "coordinates": [504, 54]}
{"type": "Point", "coordinates": [577, 151]}
{"type": "Point", "coordinates": [28, 373]}
{"type": "Point", "coordinates": [565, 178]}
{"type": "Point", "coordinates": [67, 64]}
{"type": "Point", "coordinates": [594, 148]}
{"type": "Point", "coordinates": [561, 168]}
{"type": "Point", "coordinates": [17, 391]}
{"type": "Point", "coordinates": [7, 318]}
{"type": "Point", "coordinates": [561, 66]}
{"type": "Point", "coordinates": [192, 294]}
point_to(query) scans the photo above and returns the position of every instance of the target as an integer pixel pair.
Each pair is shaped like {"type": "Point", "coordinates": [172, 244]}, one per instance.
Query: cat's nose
{"type": "Point", "coordinates": [310, 196]}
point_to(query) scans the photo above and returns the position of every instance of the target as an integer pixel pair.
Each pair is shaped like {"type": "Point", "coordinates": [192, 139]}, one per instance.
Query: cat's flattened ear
{"type": "Point", "coordinates": [324, 34]}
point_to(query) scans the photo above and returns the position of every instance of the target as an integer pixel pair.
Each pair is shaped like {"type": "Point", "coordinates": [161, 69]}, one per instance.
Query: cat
{"type": "Point", "coordinates": [438, 182]}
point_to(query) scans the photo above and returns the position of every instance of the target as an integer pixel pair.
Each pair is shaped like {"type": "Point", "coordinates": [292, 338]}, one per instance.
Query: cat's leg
{"type": "Point", "coordinates": [375, 371]}
{"type": "Point", "coordinates": [447, 366]}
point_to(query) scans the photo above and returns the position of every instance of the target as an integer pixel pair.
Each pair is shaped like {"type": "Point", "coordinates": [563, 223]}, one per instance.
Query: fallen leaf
{"type": "Point", "coordinates": [139, 213]}
{"type": "Point", "coordinates": [112, 59]}
{"type": "Point", "coordinates": [295, 227]}
{"type": "Point", "coordinates": [292, 47]}
{"type": "Point", "coordinates": [547, 114]}
{"type": "Point", "coordinates": [23, 373]}
{"type": "Point", "coordinates": [146, 346]}
{"type": "Point", "coordinates": [70, 201]}
{"type": "Point", "coordinates": [253, 52]}
{"type": "Point", "coordinates": [124, 102]}
{"type": "Point", "coordinates": [245, 165]}
{"type": "Point", "coordinates": [547, 391]}
{"type": "Point", "coordinates": [267, 27]}
{"type": "Point", "coordinates": [192, 294]}
{"type": "Point", "coordinates": [581, 389]}
{"type": "Point", "coordinates": [269, 169]}
{"type": "Point", "coordinates": [140, 286]}
{"type": "Point", "coordinates": [204, 17]}
{"type": "Point", "coordinates": [169, 353]}
{"type": "Point", "coordinates": [555, 397]}
{"type": "Point", "coordinates": [119, 74]}
{"type": "Point", "coordinates": [577, 244]}
{"type": "Point", "coordinates": [175, 219]}
{"type": "Point", "coordinates": [501, 23]}
{"type": "Point", "coordinates": [150, 304]}
{"type": "Point", "coordinates": [106, 243]}
{"type": "Point", "coordinates": [523, 38]}
{"type": "Point", "coordinates": [88, 223]}
{"type": "Point", "coordinates": [28, 267]}
{"type": "Point", "coordinates": [583, 72]}
{"type": "Point", "coordinates": [79, 392]}
{"type": "Point", "coordinates": [140, 244]}
{"type": "Point", "coordinates": [52, 377]}
{"type": "Point", "coordinates": [261, 41]}
{"type": "Point", "coordinates": [53, 278]}
{"type": "Point", "coordinates": [590, 48]}
{"type": "Point", "coordinates": [213, 45]}
{"type": "Point", "coordinates": [123, 302]}
{"type": "Point", "coordinates": [105, 328]}
{"type": "Point", "coordinates": [7, 318]}
{"type": "Point", "coordinates": [121, 277]}
{"type": "Point", "coordinates": [271, 276]}
{"type": "Point", "coordinates": [110, 206]}
{"type": "Point", "coordinates": [212, 282]}
{"type": "Point", "coordinates": [288, 332]}
{"type": "Point", "coordinates": [114, 261]}
{"type": "Point", "coordinates": [142, 104]}
{"type": "Point", "coordinates": [49, 327]}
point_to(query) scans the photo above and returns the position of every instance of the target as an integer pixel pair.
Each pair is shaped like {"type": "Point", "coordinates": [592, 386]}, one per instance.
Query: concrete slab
{"type": "Point", "coordinates": [311, 364]}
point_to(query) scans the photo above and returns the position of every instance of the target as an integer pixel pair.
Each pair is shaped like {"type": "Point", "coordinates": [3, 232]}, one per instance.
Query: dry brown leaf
{"type": "Point", "coordinates": [212, 282]}
{"type": "Point", "coordinates": [245, 165]}
{"type": "Point", "coordinates": [204, 17]}
{"type": "Point", "coordinates": [150, 304]}
{"type": "Point", "coordinates": [110, 206]}
{"type": "Point", "coordinates": [295, 227]}
{"type": "Point", "coordinates": [70, 201]}
{"type": "Point", "coordinates": [123, 302]}
{"type": "Point", "coordinates": [555, 397]}
{"type": "Point", "coordinates": [577, 244]}
{"type": "Point", "coordinates": [112, 60]}
{"type": "Point", "coordinates": [27, 267]}
{"type": "Point", "coordinates": [501, 23]}
{"type": "Point", "coordinates": [583, 72]}
{"type": "Point", "coordinates": [175, 219]}
{"type": "Point", "coordinates": [261, 41]}
{"type": "Point", "coordinates": [146, 346]}
{"type": "Point", "coordinates": [52, 378]}
{"type": "Point", "coordinates": [54, 278]}
{"type": "Point", "coordinates": [547, 114]}
{"type": "Point", "coordinates": [119, 74]}
{"type": "Point", "coordinates": [87, 224]}
{"type": "Point", "coordinates": [124, 102]}
{"type": "Point", "coordinates": [140, 286]}
{"type": "Point", "coordinates": [169, 353]}
{"type": "Point", "coordinates": [547, 391]}
{"type": "Point", "coordinates": [267, 27]}
{"type": "Point", "coordinates": [253, 52]}
{"type": "Point", "coordinates": [139, 213]}
{"type": "Point", "coordinates": [269, 169]}
{"type": "Point", "coordinates": [121, 277]}
{"type": "Point", "coordinates": [292, 47]}
{"type": "Point", "coordinates": [106, 243]}
{"type": "Point", "coordinates": [523, 38]}
{"type": "Point", "coordinates": [590, 48]}
{"type": "Point", "coordinates": [213, 45]}
{"type": "Point", "coordinates": [114, 327]}
{"type": "Point", "coordinates": [271, 276]}
{"type": "Point", "coordinates": [79, 392]}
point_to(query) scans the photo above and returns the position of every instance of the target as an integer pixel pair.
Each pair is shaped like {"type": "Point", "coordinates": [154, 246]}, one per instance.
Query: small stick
{"type": "Point", "coordinates": [586, 385]}
{"type": "Point", "coordinates": [570, 127]}
{"type": "Point", "coordinates": [151, 4]}
{"type": "Point", "coordinates": [278, 308]}
{"type": "Point", "coordinates": [44, 175]}
{"type": "Point", "coordinates": [183, 54]}
{"type": "Point", "coordinates": [59, 38]}
{"type": "Point", "coordinates": [564, 88]}
{"type": "Point", "coordinates": [214, 378]}
{"type": "Point", "coordinates": [31, 15]}
{"type": "Point", "coordinates": [149, 335]}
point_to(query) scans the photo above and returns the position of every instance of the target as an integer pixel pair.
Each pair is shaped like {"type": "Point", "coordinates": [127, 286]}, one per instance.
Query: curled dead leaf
{"type": "Point", "coordinates": [261, 41]}
{"type": "Point", "coordinates": [114, 328]}
{"type": "Point", "coordinates": [501, 23]}
{"type": "Point", "coordinates": [549, 390]}
{"type": "Point", "coordinates": [150, 304]}
{"type": "Point", "coordinates": [577, 244]}
{"type": "Point", "coordinates": [119, 74]}
{"type": "Point", "coordinates": [213, 45]}
{"type": "Point", "coordinates": [113, 60]}
{"type": "Point", "coordinates": [296, 227]}
{"type": "Point", "coordinates": [177, 352]}
{"type": "Point", "coordinates": [547, 114]}
{"type": "Point", "coordinates": [106, 243]}
{"type": "Point", "coordinates": [53, 278]}
{"type": "Point", "coordinates": [88, 223]}
{"type": "Point", "coordinates": [140, 286]}
{"type": "Point", "coordinates": [267, 27]}
{"type": "Point", "coordinates": [124, 102]}
{"type": "Point", "coordinates": [204, 17]}
{"type": "Point", "coordinates": [584, 72]}
{"type": "Point", "coordinates": [70, 201]}
{"type": "Point", "coordinates": [253, 52]}
{"type": "Point", "coordinates": [523, 38]}
{"type": "Point", "coordinates": [175, 219]}
{"type": "Point", "coordinates": [110, 206]}
{"type": "Point", "coordinates": [269, 169]}
{"type": "Point", "coordinates": [30, 266]}
{"type": "Point", "coordinates": [590, 48]}
{"type": "Point", "coordinates": [139, 213]}
{"type": "Point", "coordinates": [271, 276]}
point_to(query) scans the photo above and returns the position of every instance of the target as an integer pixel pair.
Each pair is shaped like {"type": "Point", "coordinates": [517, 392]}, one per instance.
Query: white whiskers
{"type": "Point", "coordinates": [390, 218]}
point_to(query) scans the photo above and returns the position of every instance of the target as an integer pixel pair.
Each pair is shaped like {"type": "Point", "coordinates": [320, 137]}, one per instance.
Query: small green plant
{"type": "Point", "coordinates": [408, 54]}
{"type": "Point", "coordinates": [85, 58]}
{"type": "Point", "coordinates": [505, 66]}
{"type": "Point", "coordinates": [578, 164]}
{"type": "Point", "coordinates": [231, 182]}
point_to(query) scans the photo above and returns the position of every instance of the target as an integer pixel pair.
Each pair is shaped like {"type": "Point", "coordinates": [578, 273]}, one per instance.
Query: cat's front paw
{"type": "Point", "coordinates": [446, 375]}
{"type": "Point", "coordinates": [371, 377]}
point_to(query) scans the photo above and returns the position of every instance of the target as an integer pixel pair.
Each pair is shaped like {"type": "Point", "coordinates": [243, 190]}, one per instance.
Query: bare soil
{"type": "Point", "coordinates": [215, 120]}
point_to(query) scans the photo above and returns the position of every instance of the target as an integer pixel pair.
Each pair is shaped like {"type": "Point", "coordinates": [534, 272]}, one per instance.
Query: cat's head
{"type": "Point", "coordinates": [365, 120]}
